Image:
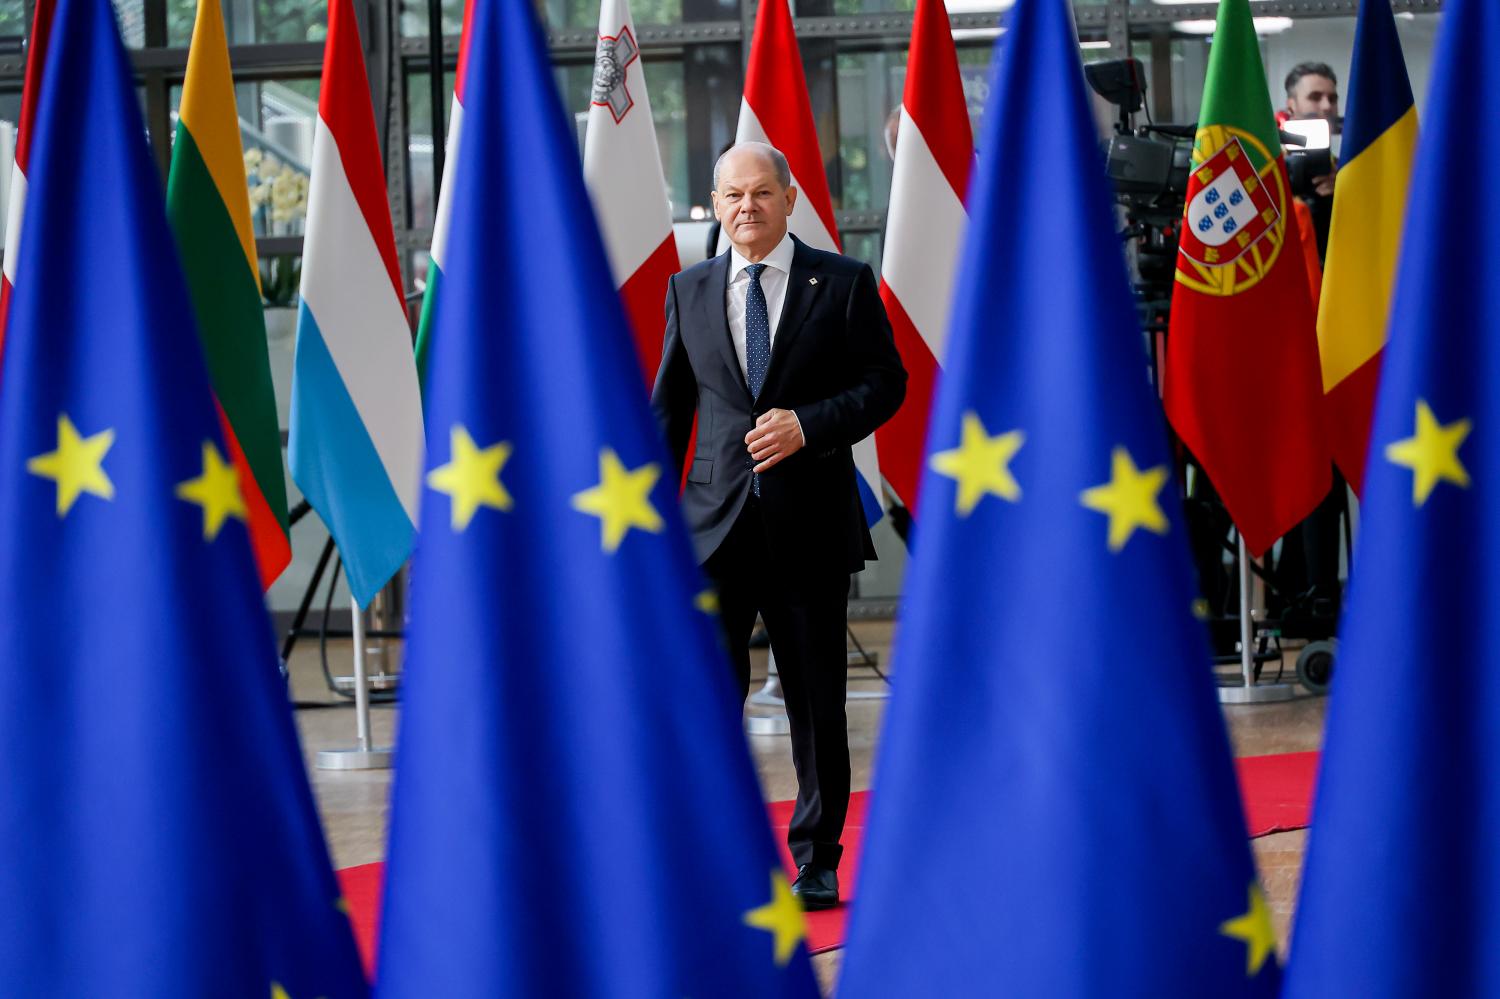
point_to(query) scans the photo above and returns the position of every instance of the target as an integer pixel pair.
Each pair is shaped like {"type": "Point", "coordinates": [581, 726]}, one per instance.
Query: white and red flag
{"type": "Point", "coordinates": [36, 58]}
{"type": "Point", "coordinates": [622, 167]}
{"type": "Point", "coordinates": [776, 110]}
{"type": "Point", "coordinates": [923, 235]}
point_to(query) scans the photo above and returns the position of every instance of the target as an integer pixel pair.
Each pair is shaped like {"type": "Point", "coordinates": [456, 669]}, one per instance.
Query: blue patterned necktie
{"type": "Point", "coordinates": [757, 341]}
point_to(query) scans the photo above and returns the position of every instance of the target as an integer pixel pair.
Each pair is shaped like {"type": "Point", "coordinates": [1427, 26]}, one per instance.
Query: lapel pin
{"type": "Point", "coordinates": [812, 280]}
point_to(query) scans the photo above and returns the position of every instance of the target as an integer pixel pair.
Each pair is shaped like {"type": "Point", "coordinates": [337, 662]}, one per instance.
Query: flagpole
{"type": "Point", "coordinates": [1250, 692]}
{"type": "Point", "coordinates": [363, 756]}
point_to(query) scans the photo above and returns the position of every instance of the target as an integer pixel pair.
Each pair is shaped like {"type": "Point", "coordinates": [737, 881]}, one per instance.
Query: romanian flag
{"type": "Point", "coordinates": [1380, 139]}
{"type": "Point", "coordinates": [1241, 383]}
{"type": "Point", "coordinates": [208, 206]}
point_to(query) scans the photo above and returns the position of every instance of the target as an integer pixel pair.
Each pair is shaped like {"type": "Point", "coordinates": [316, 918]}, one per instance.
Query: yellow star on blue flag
{"type": "Point", "coordinates": [77, 465]}
{"type": "Point", "coordinates": [621, 500]}
{"type": "Point", "coordinates": [782, 917]}
{"type": "Point", "coordinates": [1253, 928]}
{"type": "Point", "coordinates": [471, 478]}
{"type": "Point", "coordinates": [980, 464]}
{"type": "Point", "coordinates": [217, 491]}
{"type": "Point", "coordinates": [1129, 499]}
{"type": "Point", "coordinates": [1431, 453]}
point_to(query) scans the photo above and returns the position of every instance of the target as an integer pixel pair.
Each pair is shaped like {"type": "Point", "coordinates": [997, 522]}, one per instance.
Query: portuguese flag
{"type": "Point", "coordinates": [208, 205]}
{"type": "Point", "coordinates": [1242, 386]}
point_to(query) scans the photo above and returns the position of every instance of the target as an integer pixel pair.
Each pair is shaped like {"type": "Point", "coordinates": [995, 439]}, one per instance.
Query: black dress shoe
{"type": "Point", "coordinates": [816, 887]}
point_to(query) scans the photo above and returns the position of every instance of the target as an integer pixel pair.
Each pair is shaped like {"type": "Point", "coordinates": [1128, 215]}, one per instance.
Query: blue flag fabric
{"type": "Point", "coordinates": [1401, 888]}
{"type": "Point", "coordinates": [158, 827]}
{"type": "Point", "coordinates": [1071, 828]}
{"type": "Point", "coordinates": [575, 812]}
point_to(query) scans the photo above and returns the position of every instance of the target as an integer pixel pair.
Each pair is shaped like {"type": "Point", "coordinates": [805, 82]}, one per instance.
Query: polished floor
{"type": "Point", "coordinates": [353, 804]}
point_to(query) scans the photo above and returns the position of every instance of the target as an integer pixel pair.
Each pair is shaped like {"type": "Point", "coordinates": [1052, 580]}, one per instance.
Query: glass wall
{"type": "Point", "coordinates": [693, 51]}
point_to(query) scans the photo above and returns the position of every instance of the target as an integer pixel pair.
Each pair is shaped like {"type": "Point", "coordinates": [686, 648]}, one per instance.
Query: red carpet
{"type": "Point", "coordinates": [1277, 792]}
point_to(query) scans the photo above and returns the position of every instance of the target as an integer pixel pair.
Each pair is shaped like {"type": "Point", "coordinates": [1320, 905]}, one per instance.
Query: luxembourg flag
{"type": "Point", "coordinates": [622, 167]}
{"type": "Point", "coordinates": [36, 58]}
{"type": "Point", "coordinates": [356, 420]}
{"type": "Point", "coordinates": [776, 109]}
{"type": "Point", "coordinates": [439, 250]}
{"type": "Point", "coordinates": [924, 231]}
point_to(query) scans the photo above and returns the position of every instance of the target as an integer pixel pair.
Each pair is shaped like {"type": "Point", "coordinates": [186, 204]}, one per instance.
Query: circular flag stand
{"type": "Point", "coordinates": [769, 696]}
{"type": "Point", "coordinates": [363, 756]}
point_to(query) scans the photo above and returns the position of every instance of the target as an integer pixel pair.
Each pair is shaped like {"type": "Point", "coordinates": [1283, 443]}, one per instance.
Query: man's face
{"type": "Point", "coordinates": [751, 204]}
{"type": "Point", "coordinates": [1314, 96]}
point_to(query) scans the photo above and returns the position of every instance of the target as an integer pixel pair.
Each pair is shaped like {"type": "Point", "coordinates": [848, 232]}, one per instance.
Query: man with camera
{"type": "Point", "coordinates": [1312, 91]}
{"type": "Point", "coordinates": [1310, 553]}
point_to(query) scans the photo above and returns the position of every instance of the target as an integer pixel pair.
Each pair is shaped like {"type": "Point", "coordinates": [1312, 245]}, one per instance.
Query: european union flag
{"type": "Point", "coordinates": [158, 830]}
{"type": "Point", "coordinates": [1071, 828]}
{"type": "Point", "coordinates": [575, 812]}
{"type": "Point", "coordinates": [1401, 888]}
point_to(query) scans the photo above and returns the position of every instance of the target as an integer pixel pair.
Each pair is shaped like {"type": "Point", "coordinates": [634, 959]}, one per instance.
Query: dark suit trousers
{"type": "Point", "coordinates": [806, 620]}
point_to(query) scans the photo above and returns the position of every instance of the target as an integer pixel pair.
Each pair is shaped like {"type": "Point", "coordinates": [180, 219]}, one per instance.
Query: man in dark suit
{"type": "Point", "coordinates": [785, 355]}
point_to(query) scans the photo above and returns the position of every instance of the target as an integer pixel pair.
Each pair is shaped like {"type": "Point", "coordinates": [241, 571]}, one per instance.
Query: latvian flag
{"type": "Point", "coordinates": [622, 167]}
{"type": "Point", "coordinates": [439, 250]}
{"type": "Point", "coordinates": [356, 423]}
{"type": "Point", "coordinates": [924, 232]}
{"type": "Point", "coordinates": [36, 59]}
{"type": "Point", "coordinates": [776, 109]}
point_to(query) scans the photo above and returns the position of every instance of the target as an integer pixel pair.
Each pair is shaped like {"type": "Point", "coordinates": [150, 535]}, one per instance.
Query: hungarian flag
{"type": "Point", "coordinates": [208, 206]}
{"type": "Point", "coordinates": [776, 109]}
{"type": "Point", "coordinates": [934, 152]}
{"type": "Point", "coordinates": [622, 168]}
{"type": "Point", "coordinates": [1380, 141]}
{"type": "Point", "coordinates": [1242, 386]}
{"type": "Point", "coordinates": [439, 251]}
{"type": "Point", "coordinates": [36, 58]}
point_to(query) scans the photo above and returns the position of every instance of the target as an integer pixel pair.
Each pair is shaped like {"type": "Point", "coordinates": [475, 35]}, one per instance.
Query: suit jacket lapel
{"type": "Point", "coordinates": [713, 301]}
{"type": "Point", "coordinates": [803, 286]}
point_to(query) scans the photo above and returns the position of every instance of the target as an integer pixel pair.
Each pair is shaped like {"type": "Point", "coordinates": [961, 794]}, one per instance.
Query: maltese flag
{"type": "Point", "coordinates": [622, 168]}
{"type": "Point", "coordinates": [776, 109]}
{"type": "Point", "coordinates": [924, 231]}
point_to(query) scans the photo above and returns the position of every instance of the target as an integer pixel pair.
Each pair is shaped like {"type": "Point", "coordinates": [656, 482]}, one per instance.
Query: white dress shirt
{"type": "Point", "coordinates": [773, 281]}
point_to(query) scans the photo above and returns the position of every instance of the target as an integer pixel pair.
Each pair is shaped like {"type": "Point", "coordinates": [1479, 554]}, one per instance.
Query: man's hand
{"type": "Point", "coordinates": [1323, 186]}
{"type": "Point", "coordinates": [777, 435]}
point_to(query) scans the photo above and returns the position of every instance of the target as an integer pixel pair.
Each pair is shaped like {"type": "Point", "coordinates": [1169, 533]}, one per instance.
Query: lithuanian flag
{"type": "Point", "coordinates": [208, 205]}
{"type": "Point", "coordinates": [1369, 203]}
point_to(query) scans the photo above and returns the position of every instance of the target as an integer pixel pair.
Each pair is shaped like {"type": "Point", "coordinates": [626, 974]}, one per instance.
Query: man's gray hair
{"type": "Point", "coordinates": [770, 152]}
